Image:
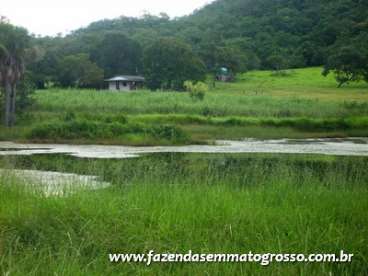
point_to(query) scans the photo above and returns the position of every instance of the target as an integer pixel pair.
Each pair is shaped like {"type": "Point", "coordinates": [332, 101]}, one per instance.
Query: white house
{"type": "Point", "coordinates": [125, 83]}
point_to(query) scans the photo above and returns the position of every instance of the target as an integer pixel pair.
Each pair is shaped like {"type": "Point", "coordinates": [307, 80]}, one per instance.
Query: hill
{"type": "Point", "coordinates": [239, 34]}
{"type": "Point", "coordinates": [301, 31]}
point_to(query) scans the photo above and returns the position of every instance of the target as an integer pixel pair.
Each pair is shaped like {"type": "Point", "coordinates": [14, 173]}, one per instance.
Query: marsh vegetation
{"type": "Point", "coordinates": [176, 202]}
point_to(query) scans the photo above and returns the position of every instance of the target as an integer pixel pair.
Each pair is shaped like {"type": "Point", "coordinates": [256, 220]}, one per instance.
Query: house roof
{"type": "Point", "coordinates": [127, 78]}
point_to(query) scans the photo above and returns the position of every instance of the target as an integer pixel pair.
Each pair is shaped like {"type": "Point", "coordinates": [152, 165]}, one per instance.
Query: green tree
{"type": "Point", "coordinates": [169, 63]}
{"type": "Point", "coordinates": [14, 42]}
{"type": "Point", "coordinates": [348, 63]}
{"type": "Point", "coordinates": [277, 62]}
{"type": "Point", "coordinates": [117, 54]}
{"type": "Point", "coordinates": [197, 91]}
{"type": "Point", "coordinates": [44, 65]}
{"type": "Point", "coordinates": [78, 71]}
{"type": "Point", "coordinates": [25, 90]}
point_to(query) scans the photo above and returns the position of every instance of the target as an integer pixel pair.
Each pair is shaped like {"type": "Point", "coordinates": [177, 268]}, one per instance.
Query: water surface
{"type": "Point", "coordinates": [336, 146]}
{"type": "Point", "coordinates": [53, 183]}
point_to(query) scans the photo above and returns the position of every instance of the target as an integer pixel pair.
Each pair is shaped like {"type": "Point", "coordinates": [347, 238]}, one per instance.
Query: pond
{"type": "Point", "coordinates": [336, 146]}
{"type": "Point", "coordinates": [50, 171]}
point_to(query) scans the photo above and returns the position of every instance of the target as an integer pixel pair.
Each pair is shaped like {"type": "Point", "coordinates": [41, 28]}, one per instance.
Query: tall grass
{"type": "Point", "coordinates": [221, 103]}
{"type": "Point", "coordinates": [173, 203]}
{"type": "Point", "coordinates": [260, 94]}
{"type": "Point", "coordinates": [300, 104]}
{"type": "Point", "coordinates": [158, 129]}
{"type": "Point", "coordinates": [94, 130]}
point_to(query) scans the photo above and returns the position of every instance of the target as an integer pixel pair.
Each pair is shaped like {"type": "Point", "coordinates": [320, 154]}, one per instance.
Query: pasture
{"type": "Point", "coordinates": [300, 104]}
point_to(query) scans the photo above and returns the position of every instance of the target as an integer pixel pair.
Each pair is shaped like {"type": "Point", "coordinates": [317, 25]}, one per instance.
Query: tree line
{"type": "Point", "coordinates": [238, 34]}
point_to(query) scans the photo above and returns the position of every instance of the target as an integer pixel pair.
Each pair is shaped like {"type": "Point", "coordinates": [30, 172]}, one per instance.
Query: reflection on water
{"type": "Point", "coordinates": [346, 146]}
{"type": "Point", "coordinates": [54, 183]}
{"type": "Point", "coordinates": [326, 140]}
{"type": "Point", "coordinates": [110, 163]}
{"type": "Point", "coordinates": [21, 149]}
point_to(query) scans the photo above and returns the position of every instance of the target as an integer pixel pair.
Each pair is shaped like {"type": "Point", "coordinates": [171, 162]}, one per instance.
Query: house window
{"type": "Point", "coordinates": [124, 84]}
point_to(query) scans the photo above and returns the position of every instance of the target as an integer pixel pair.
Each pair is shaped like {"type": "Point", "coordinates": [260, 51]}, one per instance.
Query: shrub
{"type": "Point", "coordinates": [69, 116]}
{"type": "Point", "coordinates": [197, 90]}
{"type": "Point", "coordinates": [72, 129]}
{"type": "Point", "coordinates": [168, 132]}
{"type": "Point", "coordinates": [121, 118]}
{"type": "Point", "coordinates": [85, 129]}
{"type": "Point", "coordinates": [206, 111]}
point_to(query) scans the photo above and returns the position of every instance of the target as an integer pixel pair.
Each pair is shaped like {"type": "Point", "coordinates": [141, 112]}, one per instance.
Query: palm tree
{"type": "Point", "coordinates": [13, 44]}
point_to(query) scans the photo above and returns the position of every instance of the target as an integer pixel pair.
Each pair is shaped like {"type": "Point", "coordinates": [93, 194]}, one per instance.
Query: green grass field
{"type": "Point", "coordinates": [259, 104]}
{"type": "Point", "coordinates": [180, 202]}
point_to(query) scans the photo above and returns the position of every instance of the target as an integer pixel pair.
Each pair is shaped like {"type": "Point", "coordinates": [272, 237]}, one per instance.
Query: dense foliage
{"type": "Point", "coordinates": [14, 44]}
{"type": "Point", "coordinates": [78, 71]}
{"type": "Point", "coordinates": [169, 63]}
{"type": "Point", "coordinates": [237, 34]}
{"type": "Point", "coordinates": [349, 63]}
{"type": "Point", "coordinates": [117, 54]}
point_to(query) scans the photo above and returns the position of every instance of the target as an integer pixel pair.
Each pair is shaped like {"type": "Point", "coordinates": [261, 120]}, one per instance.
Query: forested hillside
{"type": "Point", "coordinates": [239, 34]}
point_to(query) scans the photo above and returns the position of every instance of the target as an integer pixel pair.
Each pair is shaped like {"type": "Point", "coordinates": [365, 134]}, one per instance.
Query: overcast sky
{"type": "Point", "coordinates": [49, 17]}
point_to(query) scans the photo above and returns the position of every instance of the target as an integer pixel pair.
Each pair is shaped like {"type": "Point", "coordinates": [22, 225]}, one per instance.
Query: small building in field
{"type": "Point", "coordinates": [125, 83]}
{"type": "Point", "coordinates": [224, 74]}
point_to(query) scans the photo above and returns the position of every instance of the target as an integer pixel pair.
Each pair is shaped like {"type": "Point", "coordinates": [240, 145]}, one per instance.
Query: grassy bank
{"type": "Point", "coordinates": [177, 202]}
{"type": "Point", "coordinates": [259, 104]}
